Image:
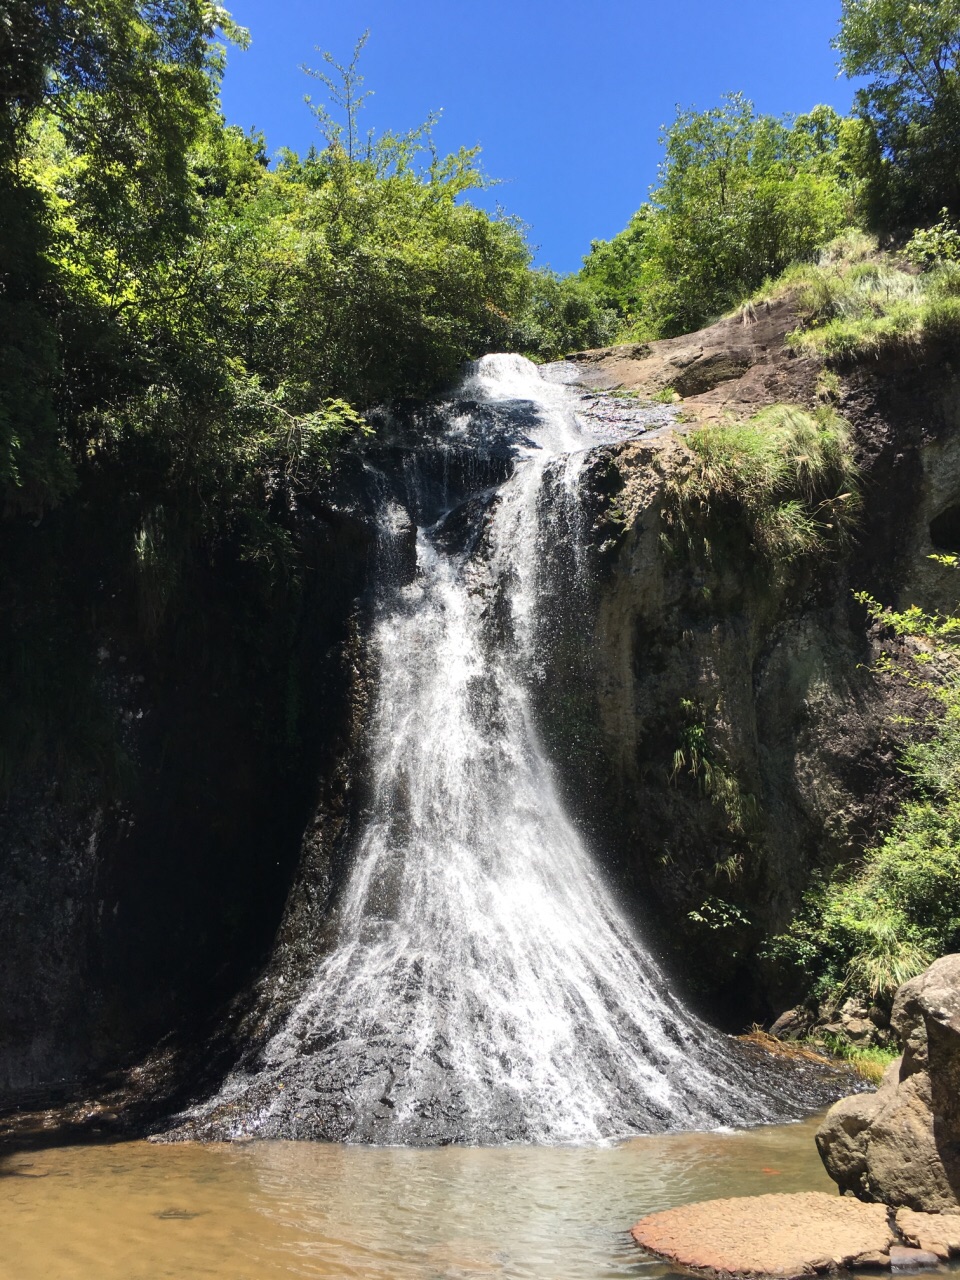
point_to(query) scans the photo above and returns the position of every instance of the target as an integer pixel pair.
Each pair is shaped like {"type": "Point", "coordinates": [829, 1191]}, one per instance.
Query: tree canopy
{"type": "Point", "coordinates": [740, 196]}
{"type": "Point", "coordinates": [911, 107]}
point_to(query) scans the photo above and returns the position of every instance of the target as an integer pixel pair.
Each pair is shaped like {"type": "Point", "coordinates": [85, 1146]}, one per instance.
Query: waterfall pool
{"type": "Point", "coordinates": [259, 1210]}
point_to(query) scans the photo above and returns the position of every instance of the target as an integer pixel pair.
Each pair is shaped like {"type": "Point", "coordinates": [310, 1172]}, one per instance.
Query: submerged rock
{"type": "Point", "coordinates": [901, 1145]}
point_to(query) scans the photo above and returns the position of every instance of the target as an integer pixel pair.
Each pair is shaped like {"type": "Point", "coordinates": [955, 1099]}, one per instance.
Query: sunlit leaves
{"type": "Point", "coordinates": [740, 196]}
{"type": "Point", "coordinates": [911, 105]}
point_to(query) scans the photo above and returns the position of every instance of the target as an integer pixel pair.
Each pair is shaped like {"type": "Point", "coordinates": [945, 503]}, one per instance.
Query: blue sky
{"type": "Point", "coordinates": [565, 99]}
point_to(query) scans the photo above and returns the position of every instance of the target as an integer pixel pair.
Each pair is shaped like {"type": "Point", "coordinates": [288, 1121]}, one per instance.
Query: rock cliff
{"type": "Point", "coordinates": [134, 914]}
{"type": "Point", "coordinates": [774, 671]}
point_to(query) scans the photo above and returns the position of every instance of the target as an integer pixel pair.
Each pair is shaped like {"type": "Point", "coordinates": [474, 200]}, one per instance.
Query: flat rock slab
{"type": "Point", "coordinates": [937, 1233]}
{"type": "Point", "coordinates": [774, 1235]}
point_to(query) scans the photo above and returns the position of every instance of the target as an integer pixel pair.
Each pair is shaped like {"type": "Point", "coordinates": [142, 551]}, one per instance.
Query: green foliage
{"type": "Point", "coordinates": [863, 302]}
{"type": "Point", "coordinates": [100, 107]}
{"type": "Point", "coordinates": [930, 246]}
{"type": "Point", "coordinates": [666, 395]}
{"type": "Point", "coordinates": [718, 916]}
{"type": "Point", "coordinates": [740, 196]}
{"type": "Point", "coordinates": [910, 151]}
{"type": "Point", "coordinates": [868, 930]}
{"type": "Point", "coordinates": [868, 1063]}
{"type": "Point", "coordinates": [193, 301]}
{"type": "Point", "coordinates": [561, 314]}
{"type": "Point", "coordinates": [783, 485]}
{"type": "Point", "coordinates": [344, 91]}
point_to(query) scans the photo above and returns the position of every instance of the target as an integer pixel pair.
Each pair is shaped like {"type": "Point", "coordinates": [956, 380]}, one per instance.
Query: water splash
{"type": "Point", "coordinates": [484, 985]}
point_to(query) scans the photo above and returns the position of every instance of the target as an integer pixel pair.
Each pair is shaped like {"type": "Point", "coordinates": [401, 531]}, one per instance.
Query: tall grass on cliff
{"type": "Point", "coordinates": [859, 301]}
{"type": "Point", "coordinates": [874, 925]}
{"type": "Point", "coordinates": [776, 488]}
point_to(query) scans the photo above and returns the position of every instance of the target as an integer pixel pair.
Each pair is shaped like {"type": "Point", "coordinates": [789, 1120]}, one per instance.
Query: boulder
{"type": "Point", "coordinates": [901, 1145]}
{"type": "Point", "coordinates": [795, 1024]}
{"type": "Point", "coordinates": [857, 1023]}
{"type": "Point", "coordinates": [770, 1235]}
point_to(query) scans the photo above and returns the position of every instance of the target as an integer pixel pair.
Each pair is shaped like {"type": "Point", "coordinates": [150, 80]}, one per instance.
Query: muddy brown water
{"type": "Point", "coordinates": [255, 1211]}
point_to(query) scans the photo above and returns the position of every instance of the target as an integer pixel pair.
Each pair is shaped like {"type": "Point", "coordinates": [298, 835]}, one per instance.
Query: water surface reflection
{"type": "Point", "coordinates": [135, 1211]}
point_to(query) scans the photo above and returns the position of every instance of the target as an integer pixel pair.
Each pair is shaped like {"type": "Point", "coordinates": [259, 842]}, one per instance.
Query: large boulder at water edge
{"type": "Point", "coordinates": [901, 1145]}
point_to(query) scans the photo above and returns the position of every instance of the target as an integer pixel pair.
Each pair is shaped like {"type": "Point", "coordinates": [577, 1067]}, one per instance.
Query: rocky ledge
{"type": "Point", "coordinates": [738, 365]}
{"type": "Point", "coordinates": [791, 1236]}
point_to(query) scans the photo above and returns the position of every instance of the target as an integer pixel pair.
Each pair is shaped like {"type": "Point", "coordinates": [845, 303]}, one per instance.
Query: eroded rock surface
{"type": "Point", "coordinates": [740, 363]}
{"type": "Point", "coordinates": [901, 1144]}
{"type": "Point", "coordinates": [771, 1235]}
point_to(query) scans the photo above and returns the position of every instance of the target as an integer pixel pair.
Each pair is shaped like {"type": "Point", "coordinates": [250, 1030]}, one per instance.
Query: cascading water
{"type": "Point", "coordinates": [483, 985]}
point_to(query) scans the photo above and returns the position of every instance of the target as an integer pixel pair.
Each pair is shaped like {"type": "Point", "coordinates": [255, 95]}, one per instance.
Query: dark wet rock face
{"type": "Point", "coordinates": [901, 1144]}
{"type": "Point", "coordinates": [131, 912]}
{"type": "Point", "coordinates": [777, 672]}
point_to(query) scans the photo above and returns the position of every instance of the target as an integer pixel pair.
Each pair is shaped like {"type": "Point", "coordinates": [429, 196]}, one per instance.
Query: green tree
{"type": "Point", "coordinates": [910, 153]}
{"type": "Point", "coordinates": [560, 314]}
{"type": "Point", "coordinates": [100, 108]}
{"type": "Point", "coordinates": [740, 196]}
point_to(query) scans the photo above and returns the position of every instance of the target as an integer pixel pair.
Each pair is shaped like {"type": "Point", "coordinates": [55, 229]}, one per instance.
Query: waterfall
{"type": "Point", "coordinates": [484, 985]}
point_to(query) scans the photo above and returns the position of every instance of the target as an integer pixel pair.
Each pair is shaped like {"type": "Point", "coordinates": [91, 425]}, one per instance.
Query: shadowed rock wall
{"type": "Point", "coordinates": [775, 671]}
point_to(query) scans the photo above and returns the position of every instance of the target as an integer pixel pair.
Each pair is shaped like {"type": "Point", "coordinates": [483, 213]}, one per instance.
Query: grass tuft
{"type": "Point", "coordinates": [859, 301]}
{"type": "Point", "coordinates": [786, 479]}
{"type": "Point", "coordinates": [868, 1063]}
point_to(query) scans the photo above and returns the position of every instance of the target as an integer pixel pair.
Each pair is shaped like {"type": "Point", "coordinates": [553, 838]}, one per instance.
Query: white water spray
{"type": "Point", "coordinates": [484, 985]}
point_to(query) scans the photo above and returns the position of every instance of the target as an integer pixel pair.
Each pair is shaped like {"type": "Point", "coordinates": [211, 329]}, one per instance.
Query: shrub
{"type": "Point", "coordinates": [868, 929]}
{"type": "Point", "coordinates": [932, 245]}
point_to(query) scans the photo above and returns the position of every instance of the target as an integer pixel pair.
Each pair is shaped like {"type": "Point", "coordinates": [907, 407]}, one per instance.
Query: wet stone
{"type": "Point", "coordinates": [905, 1259]}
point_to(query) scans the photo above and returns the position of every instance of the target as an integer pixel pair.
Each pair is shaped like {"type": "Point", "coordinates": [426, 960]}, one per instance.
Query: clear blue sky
{"type": "Point", "coordinates": [565, 99]}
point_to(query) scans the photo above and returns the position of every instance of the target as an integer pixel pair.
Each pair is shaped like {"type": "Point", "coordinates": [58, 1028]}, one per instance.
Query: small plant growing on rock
{"type": "Point", "coordinates": [697, 757]}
